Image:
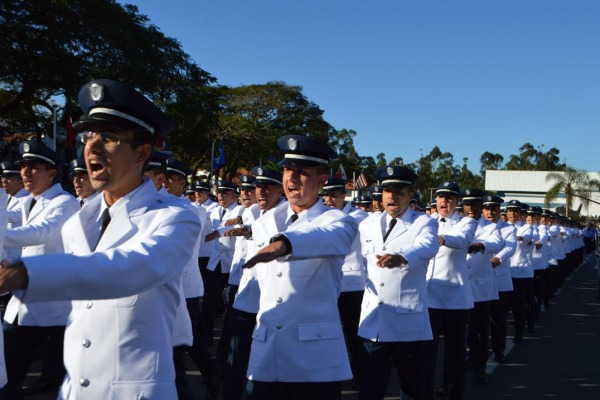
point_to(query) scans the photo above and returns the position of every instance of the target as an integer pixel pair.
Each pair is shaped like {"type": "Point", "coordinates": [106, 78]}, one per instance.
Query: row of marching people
{"type": "Point", "coordinates": [409, 278]}
{"type": "Point", "coordinates": [135, 280]}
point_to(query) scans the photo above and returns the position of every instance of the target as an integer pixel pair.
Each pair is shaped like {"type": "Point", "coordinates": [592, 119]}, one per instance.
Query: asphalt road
{"type": "Point", "coordinates": [560, 361]}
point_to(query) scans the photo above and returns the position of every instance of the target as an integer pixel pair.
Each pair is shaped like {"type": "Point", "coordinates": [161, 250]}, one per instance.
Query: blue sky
{"type": "Point", "coordinates": [407, 75]}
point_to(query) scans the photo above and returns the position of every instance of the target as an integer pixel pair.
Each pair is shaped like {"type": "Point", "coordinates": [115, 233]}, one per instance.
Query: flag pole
{"type": "Point", "coordinates": [354, 194]}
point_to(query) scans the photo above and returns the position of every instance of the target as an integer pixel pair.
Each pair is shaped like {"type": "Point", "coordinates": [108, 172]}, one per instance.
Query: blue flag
{"type": "Point", "coordinates": [221, 160]}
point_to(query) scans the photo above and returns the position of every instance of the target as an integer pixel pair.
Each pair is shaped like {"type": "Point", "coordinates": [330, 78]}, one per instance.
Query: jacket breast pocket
{"type": "Point", "coordinates": [367, 247]}
{"type": "Point", "coordinates": [319, 345]}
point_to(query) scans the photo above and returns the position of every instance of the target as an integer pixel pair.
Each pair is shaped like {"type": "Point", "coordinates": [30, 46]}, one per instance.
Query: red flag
{"type": "Point", "coordinates": [361, 181]}
{"type": "Point", "coordinates": [70, 133]}
{"type": "Point", "coordinates": [341, 173]}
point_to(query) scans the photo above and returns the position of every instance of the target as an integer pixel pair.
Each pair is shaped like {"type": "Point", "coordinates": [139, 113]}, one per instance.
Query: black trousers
{"type": "Point", "coordinates": [293, 390]}
{"type": "Point", "coordinates": [198, 352]}
{"type": "Point", "coordinates": [222, 349]}
{"type": "Point", "coordinates": [539, 276]}
{"type": "Point", "coordinates": [499, 310]}
{"type": "Point", "coordinates": [21, 344]}
{"type": "Point", "coordinates": [214, 284]}
{"type": "Point", "coordinates": [478, 335]}
{"type": "Point", "coordinates": [522, 290]}
{"type": "Point", "coordinates": [238, 354]}
{"type": "Point", "coordinates": [349, 308]}
{"type": "Point", "coordinates": [453, 324]}
{"type": "Point", "coordinates": [376, 359]}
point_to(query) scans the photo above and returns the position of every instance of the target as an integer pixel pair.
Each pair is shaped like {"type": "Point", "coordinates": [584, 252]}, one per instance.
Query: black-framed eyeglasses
{"type": "Point", "coordinates": [107, 138]}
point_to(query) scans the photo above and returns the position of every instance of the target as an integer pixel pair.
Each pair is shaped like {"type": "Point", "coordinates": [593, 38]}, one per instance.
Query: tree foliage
{"type": "Point", "coordinates": [253, 117]}
{"type": "Point", "coordinates": [50, 48]}
{"type": "Point", "coordinates": [534, 159]}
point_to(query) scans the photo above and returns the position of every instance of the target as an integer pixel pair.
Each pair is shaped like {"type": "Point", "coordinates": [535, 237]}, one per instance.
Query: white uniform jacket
{"type": "Point", "coordinates": [479, 265]}
{"type": "Point", "coordinates": [207, 248]}
{"type": "Point", "coordinates": [14, 203]}
{"type": "Point", "coordinates": [554, 255]}
{"type": "Point", "coordinates": [508, 232]}
{"type": "Point", "coordinates": [191, 284]}
{"type": "Point", "coordinates": [298, 336]}
{"type": "Point", "coordinates": [224, 246]}
{"type": "Point", "coordinates": [394, 307]}
{"type": "Point", "coordinates": [40, 234]}
{"type": "Point", "coordinates": [447, 276]}
{"type": "Point", "coordinates": [355, 267]}
{"type": "Point", "coordinates": [520, 262]}
{"type": "Point", "coordinates": [540, 257]}
{"type": "Point", "coordinates": [118, 340]}
{"type": "Point", "coordinates": [559, 242]}
{"type": "Point", "coordinates": [191, 278]}
{"type": "Point", "coordinates": [247, 298]}
{"type": "Point", "coordinates": [241, 246]}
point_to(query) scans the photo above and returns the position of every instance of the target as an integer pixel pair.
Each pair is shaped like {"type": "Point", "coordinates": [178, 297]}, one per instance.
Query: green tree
{"type": "Point", "coordinates": [491, 161]}
{"type": "Point", "coordinates": [342, 142]}
{"type": "Point", "coordinates": [468, 178]}
{"type": "Point", "coordinates": [534, 159]}
{"type": "Point", "coordinates": [50, 48]}
{"type": "Point", "coordinates": [253, 117]}
{"type": "Point", "coordinates": [381, 161]}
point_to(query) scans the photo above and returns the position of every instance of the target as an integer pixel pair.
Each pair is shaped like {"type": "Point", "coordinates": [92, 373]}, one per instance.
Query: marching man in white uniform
{"type": "Point", "coordinates": [486, 242]}
{"type": "Point", "coordinates": [298, 349]}
{"type": "Point", "coordinates": [394, 323]}
{"type": "Point", "coordinates": [27, 324]}
{"type": "Point", "coordinates": [242, 319]}
{"type": "Point", "coordinates": [125, 251]}
{"type": "Point", "coordinates": [354, 273]}
{"type": "Point", "coordinates": [81, 182]}
{"type": "Point", "coordinates": [12, 183]}
{"type": "Point", "coordinates": [449, 292]}
{"type": "Point", "coordinates": [500, 262]}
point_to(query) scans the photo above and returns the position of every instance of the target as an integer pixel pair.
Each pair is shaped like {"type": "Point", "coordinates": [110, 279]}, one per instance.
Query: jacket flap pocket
{"type": "Point", "coordinates": [409, 307]}
{"type": "Point", "coordinates": [260, 333]}
{"type": "Point", "coordinates": [318, 331]}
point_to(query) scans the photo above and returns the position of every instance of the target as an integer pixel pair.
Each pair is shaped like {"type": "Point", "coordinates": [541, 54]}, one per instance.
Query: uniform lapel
{"type": "Point", "coordinates": [378, 227]}
{"type": "Point", "coordinates": [123, 221]}
{"type": "Point", "coordinates": [401, 225]}
{"type": "Point", "coordinates": [87, 215]}
{"type": "Point", "coordinates": [42, 200]}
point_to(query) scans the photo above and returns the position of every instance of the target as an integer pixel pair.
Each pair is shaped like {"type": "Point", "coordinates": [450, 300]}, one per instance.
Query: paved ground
{"type": "Point", "coordinates": [560, 361]}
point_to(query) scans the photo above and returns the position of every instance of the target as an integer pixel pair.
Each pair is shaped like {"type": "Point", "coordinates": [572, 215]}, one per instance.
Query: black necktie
{"type": "Point", "coordinates": [294, 217]}
{"type": "Point", "coordinates": [81, 202]}
{"type": "Point", "coordinates": [442, 219]}
{"type": "Point", "coordinates": [105, 222]}
{"type": "Point", "coordinates": [9, 198]}
{"type": "Point", "coordinates": [390, 227]}
{"type": "Point", "coordinates": [223, 213]}
{"type": "Point", "coordinates": [33, 201]}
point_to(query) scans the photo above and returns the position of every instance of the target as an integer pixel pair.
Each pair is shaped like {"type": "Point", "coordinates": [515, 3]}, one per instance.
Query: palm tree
{"type": "Point", "coordinates": [573, 183]}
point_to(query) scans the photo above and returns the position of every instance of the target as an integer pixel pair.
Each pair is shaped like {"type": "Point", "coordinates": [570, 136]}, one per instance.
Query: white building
{"type": "Point", "coordinates": [531, 186]}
